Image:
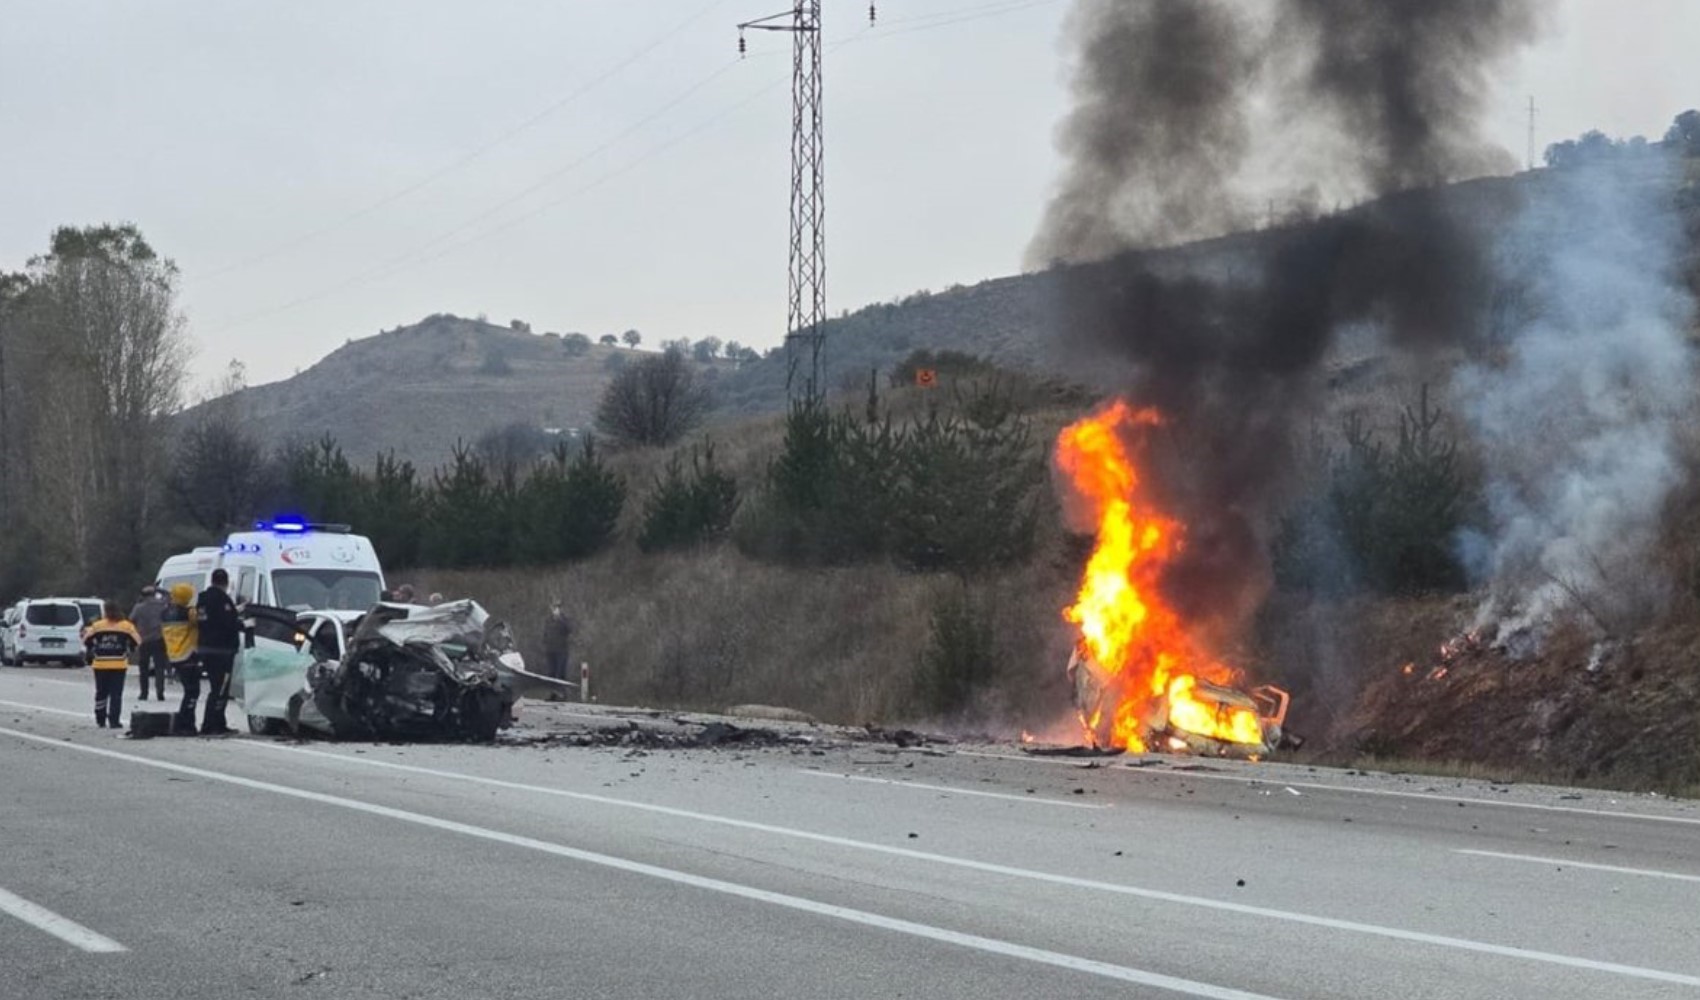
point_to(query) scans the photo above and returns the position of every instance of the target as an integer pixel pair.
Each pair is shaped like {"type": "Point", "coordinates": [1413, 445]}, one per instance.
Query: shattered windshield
{"type": "Point", "coordinates": [326, 589]}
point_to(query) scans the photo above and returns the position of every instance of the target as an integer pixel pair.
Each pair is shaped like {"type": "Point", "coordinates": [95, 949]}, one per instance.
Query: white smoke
{"type": "Point", "coordinates": [1577, 411]}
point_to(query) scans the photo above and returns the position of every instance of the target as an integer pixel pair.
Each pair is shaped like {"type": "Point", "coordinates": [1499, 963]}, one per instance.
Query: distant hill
{"type": "Point", "coordinates": [419, 389]}
{"type": "Point", "coordinates": [1017, 320]}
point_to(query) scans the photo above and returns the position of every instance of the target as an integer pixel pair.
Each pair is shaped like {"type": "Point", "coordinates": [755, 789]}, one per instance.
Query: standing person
{"type": "Point", "coordinates": [150, 658]}
{"type": "Point", "coordinates": [220, 625]}
{"type": "Point", "coordinates": [557, 642]}
{"type": "Point", "coordinates": [178, 628]}
{"type": "Point", "coordinates": [108, 641]}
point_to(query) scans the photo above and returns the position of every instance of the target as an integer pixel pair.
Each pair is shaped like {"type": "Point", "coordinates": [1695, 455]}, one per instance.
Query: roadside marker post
{"type": "Point", "coordinates": [584, 682]}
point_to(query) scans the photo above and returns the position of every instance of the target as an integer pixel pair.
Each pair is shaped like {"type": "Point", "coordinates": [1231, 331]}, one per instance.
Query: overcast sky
{"type": "Point", "coordinates": [323, 169]}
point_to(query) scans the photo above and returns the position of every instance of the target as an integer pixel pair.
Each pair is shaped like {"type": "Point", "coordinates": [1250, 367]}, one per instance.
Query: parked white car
{"type": "Point", "coordinates": [9, 632]}
{"type": "Point", "coordinates": [91, 607]}
{"type": "Point", "coordinates": [49, 629]}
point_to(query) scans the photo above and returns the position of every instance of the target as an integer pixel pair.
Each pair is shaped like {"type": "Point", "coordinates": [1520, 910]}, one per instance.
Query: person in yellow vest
{"type": "Point", "coordinates": [182, 635]}
{"type": "Point", "coordinates": [108, 642]}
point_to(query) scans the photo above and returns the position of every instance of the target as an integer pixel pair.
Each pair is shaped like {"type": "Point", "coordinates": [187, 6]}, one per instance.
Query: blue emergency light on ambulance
{"type": "Point", "coordinates": [288, 562]}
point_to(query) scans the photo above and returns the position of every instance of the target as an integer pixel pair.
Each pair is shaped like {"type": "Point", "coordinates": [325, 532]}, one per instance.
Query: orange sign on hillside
{"type": "Point", "coordinates": [926, 378]}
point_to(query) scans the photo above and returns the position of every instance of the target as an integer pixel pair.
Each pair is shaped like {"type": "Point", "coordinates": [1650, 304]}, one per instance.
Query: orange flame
{"type": "Point", "coordinates": [1141, 645]}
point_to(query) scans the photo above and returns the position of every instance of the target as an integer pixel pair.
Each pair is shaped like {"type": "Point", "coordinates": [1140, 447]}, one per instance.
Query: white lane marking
{"type": "Point", "coordinates": [1073, 963]}
{"type": "Point", "coordinates": [1566, 863]}
{"type": "Point", "coordinates": [1392, 793]}
{"type": "Point", "coordinates": [1395, 933]}
{"type": "Point", "coordinates": [948, 790]}
{"type": "Point", "coordinates": [44, 708]}
{"type": "Point", "coordinates": [65, 929]}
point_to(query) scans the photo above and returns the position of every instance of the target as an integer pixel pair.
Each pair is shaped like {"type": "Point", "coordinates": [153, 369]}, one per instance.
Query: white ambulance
{"type": "Point", "coordinates": [287, 564]}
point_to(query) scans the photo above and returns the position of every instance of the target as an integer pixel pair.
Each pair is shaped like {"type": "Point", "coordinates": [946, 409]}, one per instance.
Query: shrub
{"type": "Point", "coordinates": [960, 657]}
{"type": "Point", "coordinates": [1380, 519]}
{"type": "Point", "coordinates": [684, 511]}
{"type": "Point", "coordinates": [575, 345]}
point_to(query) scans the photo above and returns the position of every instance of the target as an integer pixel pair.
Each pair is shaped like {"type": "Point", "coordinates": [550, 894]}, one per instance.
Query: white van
{"type": "Point", "coordinates": [288, 564]}
{"type": "Point", "coordinates": [50, 629]}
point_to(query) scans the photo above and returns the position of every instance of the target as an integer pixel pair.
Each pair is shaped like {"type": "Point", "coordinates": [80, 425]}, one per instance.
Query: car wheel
{"type": "Point", "coordinates": [265, 725]}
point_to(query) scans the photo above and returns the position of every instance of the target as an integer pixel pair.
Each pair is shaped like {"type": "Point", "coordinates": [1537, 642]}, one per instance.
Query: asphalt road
{"type": "Point", "coordinates": [248, 867]}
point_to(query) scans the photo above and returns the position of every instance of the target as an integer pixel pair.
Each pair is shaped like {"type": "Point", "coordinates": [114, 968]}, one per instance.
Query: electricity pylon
{"type": "Point", "coordinates": [806, 315]}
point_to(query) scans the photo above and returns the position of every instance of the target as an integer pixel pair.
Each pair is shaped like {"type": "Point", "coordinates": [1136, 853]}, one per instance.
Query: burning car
{"type": "Point", "coordinates": [1189, 716]}
{"type": "Point", "coordinates": [449, 672]}
{"type": "Point", "coordinates": [1143, 677]}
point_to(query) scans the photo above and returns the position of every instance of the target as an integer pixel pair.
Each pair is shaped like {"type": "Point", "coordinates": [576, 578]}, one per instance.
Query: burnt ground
{"type": "Point", "coordinates": [1624, 714]}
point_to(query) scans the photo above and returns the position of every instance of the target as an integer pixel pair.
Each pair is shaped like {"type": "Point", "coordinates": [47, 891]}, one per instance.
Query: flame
{"type": "Point", "coordinates": [1135, 638]}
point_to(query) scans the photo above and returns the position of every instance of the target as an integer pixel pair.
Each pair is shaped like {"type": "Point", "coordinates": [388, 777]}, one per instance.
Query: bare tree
{"type": "Point", "coordinates": [655, 401]}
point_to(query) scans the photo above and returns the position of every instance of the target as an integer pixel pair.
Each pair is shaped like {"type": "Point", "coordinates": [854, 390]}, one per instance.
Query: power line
{"type": "Point", "coordinates": [468, 157]}
{"type": "Point", "coordinates": [422, 254]}
{"type": "Point", "coordinates": [405, 259]}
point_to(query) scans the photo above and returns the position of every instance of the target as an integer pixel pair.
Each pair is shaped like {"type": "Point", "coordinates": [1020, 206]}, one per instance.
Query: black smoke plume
{"type": "Point", "coordinates": [1174, 100]}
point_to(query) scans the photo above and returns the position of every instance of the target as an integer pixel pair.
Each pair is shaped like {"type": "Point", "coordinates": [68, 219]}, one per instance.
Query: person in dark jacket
{"type": "Point", "coordinates": [220, 625]}
{"type": "Point", "coordinates": [108, 642]}
{"type": "Point", "coordinates": [557, 642]}
{"type": "Point", "coordinates": [147, 616]}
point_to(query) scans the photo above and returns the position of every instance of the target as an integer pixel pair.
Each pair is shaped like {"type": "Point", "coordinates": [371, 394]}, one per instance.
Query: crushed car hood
{"type": "Point", "coordinates": [448, 672]}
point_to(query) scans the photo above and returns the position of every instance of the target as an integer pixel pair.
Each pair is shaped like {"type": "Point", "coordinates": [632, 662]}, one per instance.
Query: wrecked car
{"type": "Point", "coordinates": [449, 672]}
{"type": "Point", "coordinates": [1191, 715]}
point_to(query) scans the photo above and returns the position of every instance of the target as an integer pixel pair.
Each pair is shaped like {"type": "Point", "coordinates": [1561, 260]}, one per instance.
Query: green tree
{"type": "Point", "coordinates": [632, 338]}
{"type": "Point", "coordinates": [706, 349]}
{"type": "Point", "coordinates": [1683, 138]}
{"type": "Point", "coordinates": [393, 511]}
{"type": "Point", "coordinates": [320, 483]}
{"type": "Point", "coordinates": [1383, 519]}
{"type": "Point", "coordinates": [968, 496]}
{"type": "Point", "coordinates": [570, 506]}
{"type": "Point", "coordinates": [828, 492]}
{"type": "Point", "coordinates": [463, 519]}
{"type": "Point", "coordinates": [576, 345]}
{"type": "Point", "coordinates": [685, 510]}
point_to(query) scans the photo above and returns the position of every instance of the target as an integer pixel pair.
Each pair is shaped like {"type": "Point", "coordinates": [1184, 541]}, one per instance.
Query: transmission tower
{"type": "Point", "coordinates": [806, 316]}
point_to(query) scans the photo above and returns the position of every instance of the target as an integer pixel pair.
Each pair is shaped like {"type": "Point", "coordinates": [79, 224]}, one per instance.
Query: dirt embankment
{"type": "Point", "coordinates": [1625, 713]}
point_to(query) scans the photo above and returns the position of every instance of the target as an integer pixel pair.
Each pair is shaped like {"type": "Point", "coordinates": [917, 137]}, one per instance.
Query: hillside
{"type": "Point", "coordinates": [418, 389]}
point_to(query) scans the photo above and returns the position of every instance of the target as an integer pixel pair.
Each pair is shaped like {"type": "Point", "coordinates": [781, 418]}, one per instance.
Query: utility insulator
{"type": "Point", "coordinates": [873, 15]}
{"type": "Point", "coordinates": [742, 45]}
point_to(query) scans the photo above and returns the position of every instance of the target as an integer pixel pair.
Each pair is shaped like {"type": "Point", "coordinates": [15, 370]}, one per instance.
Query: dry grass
{"type": "Point", "coordinates": [711, 628]}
